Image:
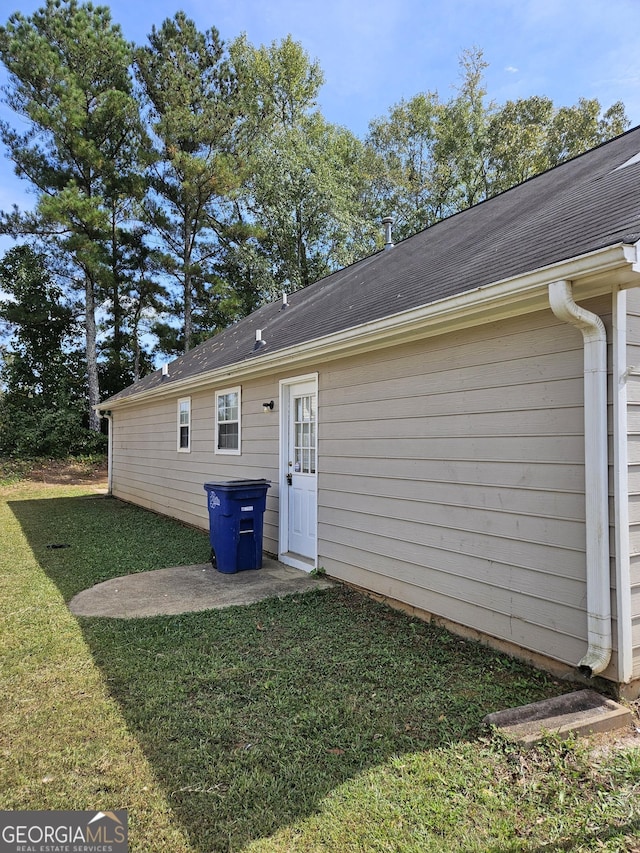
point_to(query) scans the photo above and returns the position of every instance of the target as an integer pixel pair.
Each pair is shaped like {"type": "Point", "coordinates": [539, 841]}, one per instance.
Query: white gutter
{"type": "Point", "coordinates": [621, 488]}
{"type": "Point", "coordinates": [594, 335]}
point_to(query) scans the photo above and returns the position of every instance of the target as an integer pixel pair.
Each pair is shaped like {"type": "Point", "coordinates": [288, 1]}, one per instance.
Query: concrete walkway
{"type": "Point", "coordinates": [186, 589]}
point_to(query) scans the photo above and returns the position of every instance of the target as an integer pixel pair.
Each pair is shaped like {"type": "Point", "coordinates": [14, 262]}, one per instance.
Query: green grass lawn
{"type": "Point", "coordinates": [321, 722]}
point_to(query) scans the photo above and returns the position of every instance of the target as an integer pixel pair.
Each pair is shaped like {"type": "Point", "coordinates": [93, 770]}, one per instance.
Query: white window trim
{"type": "Point", "coordinates": [236, 451]}
{"type": "Point", "coordinates": [186, 449]}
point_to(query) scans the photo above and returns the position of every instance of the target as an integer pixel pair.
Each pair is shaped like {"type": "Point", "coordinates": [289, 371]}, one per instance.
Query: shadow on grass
{"type": "Point", "coordinates": [103, 538]}
{"type": "Point", "coordinates": [250, 716]}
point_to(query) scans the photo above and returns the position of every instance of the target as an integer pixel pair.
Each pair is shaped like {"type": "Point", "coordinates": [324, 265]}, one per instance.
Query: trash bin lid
{"type": "Point", "coordinates": [237, 484]}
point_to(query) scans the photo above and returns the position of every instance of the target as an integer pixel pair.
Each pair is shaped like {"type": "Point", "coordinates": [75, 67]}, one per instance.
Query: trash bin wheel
{"type": "Point", "coordinates": [214, 562]}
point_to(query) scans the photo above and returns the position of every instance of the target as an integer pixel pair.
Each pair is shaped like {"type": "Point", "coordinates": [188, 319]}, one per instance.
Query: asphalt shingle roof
{"type": "Point", "coordinates": [585, 204]}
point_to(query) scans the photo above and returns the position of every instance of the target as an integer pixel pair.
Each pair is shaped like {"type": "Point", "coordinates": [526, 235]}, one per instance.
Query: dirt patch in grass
{"type": "Point", "coordinates": [90, 471]}
{"type": "Point", "coordinates": [618, 740]}
{"type": "Point", "coordinates": [70, 472]}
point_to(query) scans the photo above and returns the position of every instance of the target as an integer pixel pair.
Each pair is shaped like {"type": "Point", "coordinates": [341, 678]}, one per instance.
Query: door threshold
{"type": "Point", "coordinates": [299, 561]}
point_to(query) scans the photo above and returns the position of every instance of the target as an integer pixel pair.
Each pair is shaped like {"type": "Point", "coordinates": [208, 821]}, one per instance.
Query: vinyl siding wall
{"type": "Point", "coordinates": [452, 479]}
{"type": "Point", "coordinates": [451, 475]}
{"type": "Point", "coordinates": [149, 471]}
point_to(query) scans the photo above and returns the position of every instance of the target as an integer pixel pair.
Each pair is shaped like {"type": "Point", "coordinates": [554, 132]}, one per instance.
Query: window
{"type": "Point", "coordinates": [228, 421]}
{"type": "Point", "coordinates": [304, 425]}
{"type": "Point", "coordinates": [184, 425]}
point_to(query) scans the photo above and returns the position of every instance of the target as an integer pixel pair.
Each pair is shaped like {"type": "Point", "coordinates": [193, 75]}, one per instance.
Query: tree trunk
{"type": "Point", "coordinates": [188, 292]}
{"type": "Point", "coordinates": [135, 336]}
{"type": "Point", "coordinates": [117, 308]}
{"type": "Point", "coordinates": [301, 250]}
{"type": "Point", "coordinates": [188, 308]}
{"type": "Point", "coordinates": [92, 356]}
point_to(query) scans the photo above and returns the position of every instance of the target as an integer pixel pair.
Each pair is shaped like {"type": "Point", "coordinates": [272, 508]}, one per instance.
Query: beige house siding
{"type": "Point", "coordinates": [149, 470]}
{"type": "Point", "coordinates": [633, 450]}
{"type": "Point", "coordinates": [452, 478]}
{"type": "Point", "coordinates": [450, 475]}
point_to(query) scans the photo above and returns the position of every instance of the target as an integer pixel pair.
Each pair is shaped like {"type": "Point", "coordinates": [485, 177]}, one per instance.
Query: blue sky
{"type": "Point", "coordinates": [376, 52]}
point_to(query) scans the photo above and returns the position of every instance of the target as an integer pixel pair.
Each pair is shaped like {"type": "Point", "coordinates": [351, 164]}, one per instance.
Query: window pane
{"type": "Point", "coordinates": [228, 407]}
{"type": "Point", "coordinates": [228, 436]}
{"type": "Point", "coordinates": [184, 436]}
{"type": "Point", "coordinates": [232, 407]}
{"type": "Point", "coordinates": [304, 434]}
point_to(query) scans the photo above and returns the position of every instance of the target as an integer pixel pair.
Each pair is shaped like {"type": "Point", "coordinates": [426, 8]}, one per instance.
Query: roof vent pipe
{"type": "Point", "coordinates": [387, 222]}
{"type": "Point", "coordinates": [259, 342]}
{"type": "Point", "coordinates": [285, 300]}
{"type": "Point", "coordinates": [165, 369]}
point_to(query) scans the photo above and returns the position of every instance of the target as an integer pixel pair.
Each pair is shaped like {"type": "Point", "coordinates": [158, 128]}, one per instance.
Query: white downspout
{"type": "Point", "coordinates": [109, 418]}
{"type": "Point", "coordinates": [596, 474]}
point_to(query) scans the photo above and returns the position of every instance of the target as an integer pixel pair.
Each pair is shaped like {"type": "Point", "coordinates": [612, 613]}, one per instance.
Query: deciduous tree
{"type": "Point", "coordinates": [436, 158]}
{"type": "Point", "coordinates": [43, 408]}
{"type": "Point", "coordinates": [303, 200]}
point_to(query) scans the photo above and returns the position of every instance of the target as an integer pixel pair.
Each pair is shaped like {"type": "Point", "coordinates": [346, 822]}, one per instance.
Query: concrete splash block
{"type": "Point", "coordinates": [582, 713]}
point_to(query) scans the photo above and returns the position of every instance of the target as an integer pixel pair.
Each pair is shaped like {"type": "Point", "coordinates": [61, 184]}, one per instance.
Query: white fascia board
{"type": "Point", "coordinates": [508, 298]}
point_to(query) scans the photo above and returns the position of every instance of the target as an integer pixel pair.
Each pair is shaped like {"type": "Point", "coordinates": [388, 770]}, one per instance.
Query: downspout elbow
{"type": "Point", "coordinates": [598, 656]}
{"type": "Point", "coordinates": [594, 335]}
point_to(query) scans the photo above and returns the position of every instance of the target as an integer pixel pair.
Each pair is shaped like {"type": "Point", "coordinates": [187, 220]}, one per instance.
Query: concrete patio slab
{"type": "Point", "coordinates": [583, 712]}
{"type": "Point", "coordinates": [186, 589]}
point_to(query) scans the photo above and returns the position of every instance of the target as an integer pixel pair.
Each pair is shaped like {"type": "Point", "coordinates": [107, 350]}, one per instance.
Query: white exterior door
{"type": "Point", "coordinates": [299, 474]}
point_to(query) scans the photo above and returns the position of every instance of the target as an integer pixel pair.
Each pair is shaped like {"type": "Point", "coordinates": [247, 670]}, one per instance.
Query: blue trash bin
{"type": "Point", "coordinates": [236, 512]}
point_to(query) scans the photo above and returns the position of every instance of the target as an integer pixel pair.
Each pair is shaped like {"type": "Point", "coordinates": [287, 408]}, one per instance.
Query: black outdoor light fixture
{"type": "Point", "coordinates": [268, 407]}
